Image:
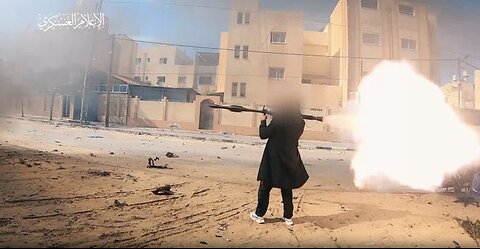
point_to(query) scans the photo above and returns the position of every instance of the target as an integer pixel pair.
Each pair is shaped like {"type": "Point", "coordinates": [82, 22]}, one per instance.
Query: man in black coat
{"type": "Point", "coordinates": [281, 165]}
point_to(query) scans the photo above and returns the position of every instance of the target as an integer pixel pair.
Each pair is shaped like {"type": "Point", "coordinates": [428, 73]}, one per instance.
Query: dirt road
{"type": "Point", "coordinates": [76, 187]}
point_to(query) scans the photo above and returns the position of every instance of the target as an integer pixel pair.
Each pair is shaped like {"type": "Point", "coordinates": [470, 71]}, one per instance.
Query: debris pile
{"type": "Point", "coordinates": [472, 228]}
{"type": "Point", "coordinates": [164, 190]}
{"type": "Point", "coordinates": [151, 164]}
{"type": "Point", "coordinates": [171, 155]}
{"type": "Point", "coordinates": [99, 173]}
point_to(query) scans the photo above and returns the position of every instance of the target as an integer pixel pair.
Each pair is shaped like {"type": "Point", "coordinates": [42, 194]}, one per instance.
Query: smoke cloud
{"type": "Point", "coordinates": [407, 135]}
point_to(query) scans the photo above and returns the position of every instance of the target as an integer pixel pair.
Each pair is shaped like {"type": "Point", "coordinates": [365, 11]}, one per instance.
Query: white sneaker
{"type": "Point", "coordinates": [256, 218]}
{"type": "Point", "coordinates": [289, 222]}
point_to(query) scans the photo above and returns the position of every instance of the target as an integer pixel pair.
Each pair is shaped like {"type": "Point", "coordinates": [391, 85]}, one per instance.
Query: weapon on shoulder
{"type": "Point", "coordinates": [238, 108]}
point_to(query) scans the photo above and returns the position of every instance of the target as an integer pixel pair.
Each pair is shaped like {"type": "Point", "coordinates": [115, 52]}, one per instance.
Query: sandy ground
{"type": "Point", "coordinates": [59, 185]}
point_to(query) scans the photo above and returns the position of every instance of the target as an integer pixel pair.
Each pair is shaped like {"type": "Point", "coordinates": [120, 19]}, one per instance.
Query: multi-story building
{"type": "Point", "coordinates": [164, 65]}
{"type": "Point", "coordinates": [168, 66]}
{"type": "Point", "coordinates": [264, 51]}
{"type": "Point", "coordinates": [262, 54]}
{"type": "Point", "coordinates": [390, 30]}
{"type": "Point", "coordinates": [206, 64]}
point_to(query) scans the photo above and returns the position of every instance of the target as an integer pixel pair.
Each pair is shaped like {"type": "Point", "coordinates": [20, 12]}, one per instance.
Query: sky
{"type": "Point", "coordinates": [199, 22]}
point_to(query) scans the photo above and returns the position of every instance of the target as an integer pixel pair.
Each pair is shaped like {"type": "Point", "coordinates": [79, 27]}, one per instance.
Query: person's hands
{"type": "Point", "coordinates": [265, 116]}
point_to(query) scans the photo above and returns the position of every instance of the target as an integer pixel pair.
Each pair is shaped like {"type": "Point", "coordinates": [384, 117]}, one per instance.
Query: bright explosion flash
{"type": "Point", "coordinates": [407, 134]}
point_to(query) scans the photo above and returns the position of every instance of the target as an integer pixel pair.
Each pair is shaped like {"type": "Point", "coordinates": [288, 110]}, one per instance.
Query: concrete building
{"type": "Point", "coordinates": [463, 98]}
{"type": "Point", "coordinates": [168, 66]}
{"type": "Point", "coordinates": [163, 65]}
{"type": "Point", "coordinates": [360, 34]}
{"type": "Point", "coordinates": [206, 66]}
{"type": "Point", "coordinates": [387, 29]}
{"type": "Point", "coordinates": [249, 77]}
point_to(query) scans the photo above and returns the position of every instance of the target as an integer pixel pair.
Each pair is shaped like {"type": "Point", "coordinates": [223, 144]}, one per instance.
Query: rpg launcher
{"type": "Point", "coordinates": [238, 108]}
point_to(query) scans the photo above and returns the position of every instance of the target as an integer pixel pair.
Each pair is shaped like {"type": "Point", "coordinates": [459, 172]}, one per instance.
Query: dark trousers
{"type": "Point", "coordinates": [264, 198]}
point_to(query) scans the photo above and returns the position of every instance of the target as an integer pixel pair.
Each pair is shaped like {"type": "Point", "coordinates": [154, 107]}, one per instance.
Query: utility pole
{"type": "Point", "coordinates": [107, 108]}
{"type": "Point", "coordinates": [459, 79]}
{"type": "Point", "coordinates": [88, 67]}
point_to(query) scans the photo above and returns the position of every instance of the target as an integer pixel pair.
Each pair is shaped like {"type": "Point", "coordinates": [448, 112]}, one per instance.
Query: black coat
{"type": "Point", "coordinates": [281, 165]}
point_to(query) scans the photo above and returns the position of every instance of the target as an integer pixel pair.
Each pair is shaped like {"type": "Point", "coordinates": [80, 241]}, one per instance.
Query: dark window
{"type": "Point", "coordinates": [234, 89]}
{"type": "Point", "coordinates": [409, 44]}
{"type": "Point", "coordinates": [182, 80]}
{"type": "Point", "coordinates": [163, 60]}
{"type": "Point", "coordinates": [138, 60]}
{"type": "Point", "coordinates": [306, 81]}
{"type": "Point", "coordinates": [277, 73]}
{"type": "Point", "coordinates": [237, 51]}
{"type": "Point", "coordinates": [122, 89]}
{"type": "Point", "coordinates": [371, 39]}
{"type": "Point", "coordinates": [239, 17]}
{"type": "Point", "coordinates": [148, 60]}
{"type": "Point", "coordinates": [160, 80]}
{"type": "Point", "coordinates": [205, 80]}
{"type": "Point", "coordinates": [406, 10]}
{"type": "Point", "coordinates": [278, 37]}
{"type": "Point", "coordinates": [243, 89]}
{"type": "Point", "coordinates": [245, 52]}
{"type": "Point", "coordinates": [370, 4]}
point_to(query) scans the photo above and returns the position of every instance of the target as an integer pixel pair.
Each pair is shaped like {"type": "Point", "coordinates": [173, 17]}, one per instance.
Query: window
{"type": "Point", "coordinates": [370, 4]}
{"type": "Point", "coordinates": [205, 80]}
{"type": "Point", "coordinates": [122, 89]}
{"type": "Point", "coordinates": [234, 89]}
{"type": "Point", "coordinates": [138, 60]}
{"type": "Point", "coordinates": [163, 60]}
{"type": "Point", "coordinates": [160, 80]}
{"type": "Point", "coordinates": [119, 89]}
{"type": "Point", "coordinates": [237, 51]}
{"type": "Point", "coordinates": [243, 89]}
{"type": "Point", "coordinates": [409, 44]}
{"type": "Point", "coordinates": [277, 73]}
{"type": "Point", "coordinates": [146, 78]}
{"type": "Point", "coordinates": [137, 78]}
{"type": "Point", "coordinates": [148, 60]}
{"type": "Point", "coordinates": [406, 10]}
{"type": "Point", "coordinates": [371, 39]}
{"type": "Point", "coordinates": [182, 80]}
{"type": "Point", "coordinates": [247, 17]}
{"type": "Point", "coordinates": [306, 81]}
{"type": "Point", "coordinates": [278, 37]}
{"type": "Point", "coordinates": [239, 17]}
{"type": "Point", "coordinates": [245, 52]}
{"type": "Point", "coordinates": [102, 88]}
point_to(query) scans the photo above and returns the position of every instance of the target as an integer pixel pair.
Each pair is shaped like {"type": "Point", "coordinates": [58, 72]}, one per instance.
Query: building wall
{"type": "Point", "coordinates": [467, 95]}
{"type": "Point", "coordinates": [477, 89]}
{"type": "Point", "coordinates": [127, 52]}
{"type": "Point", "coordinates": [254, 71]}
{"type": "Point", "coordinates": [33, 105]}
{"type": "Point", "coordinates": [206, 71]}
{"type": "Point", "coordinates": [339, 47]}
{"type": "Point", "coordinates": [178, 65]}
{"type": "Point", "coordinates": [222, 63]}
{"type": "Point", "coordinates": [392, 26]}
{"type": "Point", "coordinates": [118, 108]}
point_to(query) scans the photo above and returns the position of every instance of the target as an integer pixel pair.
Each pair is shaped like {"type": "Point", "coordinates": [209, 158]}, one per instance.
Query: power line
{"type": "Point", "coordinates": [281, 53]}
{"type": "Point", "coordinates": [233, 75]}
{"type": "Point", "coordinates": [232, 9]}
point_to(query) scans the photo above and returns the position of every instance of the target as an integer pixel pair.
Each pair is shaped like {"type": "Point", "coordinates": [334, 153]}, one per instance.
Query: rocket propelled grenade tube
{"type": "Point", "coordinates": [238, 108]}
